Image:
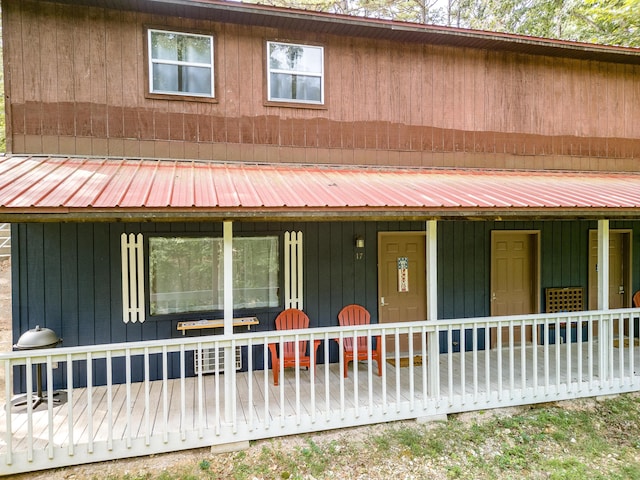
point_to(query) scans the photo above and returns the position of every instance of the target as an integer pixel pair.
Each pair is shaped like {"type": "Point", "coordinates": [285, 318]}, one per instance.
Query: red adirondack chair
{"type": "Point", "coordinates": [358, 315]}
{"type": "Point", "coordinates": [291, 319]}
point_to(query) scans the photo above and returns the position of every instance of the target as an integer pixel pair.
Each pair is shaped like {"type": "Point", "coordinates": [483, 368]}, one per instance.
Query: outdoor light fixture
{"type": "Point", "coordinates": [359, 241]}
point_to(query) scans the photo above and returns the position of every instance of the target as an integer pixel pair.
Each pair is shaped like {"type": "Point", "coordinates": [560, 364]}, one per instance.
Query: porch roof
{"type": "Point", "coordinates": [106, 189]}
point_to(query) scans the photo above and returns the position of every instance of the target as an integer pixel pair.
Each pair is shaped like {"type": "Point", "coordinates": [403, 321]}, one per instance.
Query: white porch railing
{"type": "Point", "coordinates": [103, 420]}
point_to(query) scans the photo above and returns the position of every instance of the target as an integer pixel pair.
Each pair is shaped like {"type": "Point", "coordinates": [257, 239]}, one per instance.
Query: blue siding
{"type": "Point", "coordinates": [67, 276]}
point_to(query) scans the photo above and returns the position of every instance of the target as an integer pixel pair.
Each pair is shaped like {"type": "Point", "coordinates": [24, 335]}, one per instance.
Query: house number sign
{"type": "Point", "coordinates": [403, 274]}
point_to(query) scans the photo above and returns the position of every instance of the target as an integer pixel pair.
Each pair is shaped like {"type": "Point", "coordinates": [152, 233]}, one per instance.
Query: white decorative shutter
{"type": "Point", "coordinates": [293, 270]}
{"type": "Point", "coordinates": [132, 278]}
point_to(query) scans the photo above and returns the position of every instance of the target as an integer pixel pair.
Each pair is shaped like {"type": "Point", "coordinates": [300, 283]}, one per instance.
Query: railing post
{"type": "Point", "coordinates": [432, 307]}
{"type": "Point", "coordinates": [604, 340]}
{"type": "Point", "coordinates": [229, 354]}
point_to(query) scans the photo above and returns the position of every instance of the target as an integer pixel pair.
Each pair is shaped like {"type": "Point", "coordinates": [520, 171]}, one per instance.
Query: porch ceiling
{"type": "Point", "coordinates": [103, 189]}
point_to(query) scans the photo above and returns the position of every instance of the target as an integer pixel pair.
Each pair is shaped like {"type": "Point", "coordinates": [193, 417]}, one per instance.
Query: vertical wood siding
{"type": "Point", "coordinates": [76, 77]}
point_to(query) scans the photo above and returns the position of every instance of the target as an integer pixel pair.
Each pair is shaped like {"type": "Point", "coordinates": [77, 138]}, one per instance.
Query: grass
{"type": "Point", "coordinates": [567, 440]}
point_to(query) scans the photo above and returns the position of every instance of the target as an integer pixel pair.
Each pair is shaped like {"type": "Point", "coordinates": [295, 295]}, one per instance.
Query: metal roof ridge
{"type": "Point", "coordinates": [327, 166]}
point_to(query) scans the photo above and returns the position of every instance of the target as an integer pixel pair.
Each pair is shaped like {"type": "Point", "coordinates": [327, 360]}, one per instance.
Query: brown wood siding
{"type": "Point", "coordinates": [77, 78]}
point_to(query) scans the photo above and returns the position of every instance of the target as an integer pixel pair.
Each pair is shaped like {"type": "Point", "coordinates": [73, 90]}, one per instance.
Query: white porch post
{"type": "Point", "coordinates": [432, 306]}
{"type": "Point", "coordinates": [603, 295]}
{"type": "Point", "coordinates": [229, 354]}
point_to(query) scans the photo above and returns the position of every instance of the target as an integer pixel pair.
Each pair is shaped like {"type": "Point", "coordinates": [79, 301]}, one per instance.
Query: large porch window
{"type": "Point", "coordinates": [186, 273]}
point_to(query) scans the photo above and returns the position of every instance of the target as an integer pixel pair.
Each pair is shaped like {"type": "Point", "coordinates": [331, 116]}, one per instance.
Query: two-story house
{"type": "Point", "coordinates": [175, 163]}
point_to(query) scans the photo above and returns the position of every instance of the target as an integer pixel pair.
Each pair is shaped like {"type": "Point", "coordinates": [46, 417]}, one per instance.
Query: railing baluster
{"type": "Point", "coordinates": [70, 417]}
{"type": "Point", "coordinates": [200, 380]}
{"type": "Point", "coordinates": [450, 385]}
{"type": "Point", "coordinates": [591, 353]}
{"type": "Point", "coordinates": [297, 378]}
{"type": "Point", "coordinates": [327, 389]}
{"type": "Point", "coordinates": [558, 349]}
{"type": "Point", "coordinates": [234, 391]}
{"type": "Point", "coordinates": [128, 426]}
{"type": "Point", "coordinates": [568, 347]}
{"type": "Point", "coordinates": [90, 402]}
{"type": "Point", "coordinates": [281, 384]}
{"type": "Point", "coordinates": [463, 366]}
{"type": "Point", "coordinates": [632, 342]}
{"type": "Point", "coordinates": [547, 341]}
{"type": "Point", "coordinates": [265, 363]}
{"type": "Point", "coordinates": [534, 362]}
{"type": "Point", "coordinates": [147, 405]}
{"type": "Point", "coordinates": [512, 365]}
{"type": "Point", "coordinates": [474, 354]}
{"type": "Point", "coordinates": [8, 379]}
{"type": "Point", "coordinates": [610, 351]}
{"type": "Point", "coordinates": [383, 354]}
{"type": "Point", "coordinates": [165, 395]}
{"type": "Point", "coordinates": [29, 410]}
{"type": "Point", "coordinates": [356, 383]}
{"type": "Point", "coordinates": [183, 400]}
{"type": "Point", "coordinates": [250, 400]}
{"type": "Point", "coordinates": [397, 356]}
{"type": "Point", "coordinates": [487, 364]}
{"type": "Point", "coordinates": [425, 391]}
{"type": "Point", "coordinates": [312, 377]}
{"type": "Point", "coordinates": [411, 368]}
{"type": "Point", "coordinates": [50, 405]}
{"type": "Point", "coordinates": [500, 359]}
{"type": "Point", "coordinates": [370, 370]}
{"type": "Point", "coordinates": [216, 349]}
{"type": "Point", "coordinates": [109, 368]}
{"type": "Point", "coordinates": [621, 349]}
{"type": "Point", "coordinates": [579, 351]}
{"type": "Point", "coordinates": [523, 356]}
{"type": "Point", "coordinates": [341, 374]}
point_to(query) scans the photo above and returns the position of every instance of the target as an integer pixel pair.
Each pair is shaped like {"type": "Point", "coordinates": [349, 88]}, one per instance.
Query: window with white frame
{"type": "Point", "coordinates": [295, 73]}
{"type": "Point", "coordinates": [180, 63]}
{"type": "Point", "coordinates": [186, 274]}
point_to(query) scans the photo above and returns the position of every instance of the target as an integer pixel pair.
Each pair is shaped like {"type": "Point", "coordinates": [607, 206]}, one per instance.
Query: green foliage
{"type": "Point", "coordinates": [615, 22]}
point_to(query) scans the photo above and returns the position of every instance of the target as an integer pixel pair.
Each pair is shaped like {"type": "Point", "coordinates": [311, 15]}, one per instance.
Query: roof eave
{"type": "Point", "coordinates": [347, 25]}
{"type": "Point", "coordinates": [127, 215]}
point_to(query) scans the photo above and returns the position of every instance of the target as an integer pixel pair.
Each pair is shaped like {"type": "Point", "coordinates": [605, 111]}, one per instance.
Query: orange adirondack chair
{"type": "Point", "coordinates": [636, 299]}
{"type": "Point", "coordinates": [358, 315]}
{"type": "Point", "coordinates": [291, 319]}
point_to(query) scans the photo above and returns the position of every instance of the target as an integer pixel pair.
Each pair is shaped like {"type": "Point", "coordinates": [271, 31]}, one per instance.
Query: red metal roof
{"type": "Point", "coordinates": [39, 187]}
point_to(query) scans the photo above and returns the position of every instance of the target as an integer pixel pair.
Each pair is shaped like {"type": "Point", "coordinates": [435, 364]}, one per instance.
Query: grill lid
{"type": "Point", "coordinates": [37, 338]}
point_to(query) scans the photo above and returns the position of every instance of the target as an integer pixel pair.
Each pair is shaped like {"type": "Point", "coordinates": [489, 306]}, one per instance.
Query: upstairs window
{"type": "Point", "coordinates": [180, 63]}
{"type": "Point", "coordinates": [295, 73]}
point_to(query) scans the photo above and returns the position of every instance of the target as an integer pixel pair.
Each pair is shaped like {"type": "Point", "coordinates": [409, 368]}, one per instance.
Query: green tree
{"type": "Point", "coordinates": [614, 22]}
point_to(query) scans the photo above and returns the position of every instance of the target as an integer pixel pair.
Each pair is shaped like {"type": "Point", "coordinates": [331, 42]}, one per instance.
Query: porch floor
{"type": "Point", "coordinates": [100, 416]}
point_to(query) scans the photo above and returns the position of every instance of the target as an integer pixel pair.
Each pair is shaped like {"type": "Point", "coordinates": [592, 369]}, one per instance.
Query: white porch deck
{"type": "Point", "coordinates": [139, 418]}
